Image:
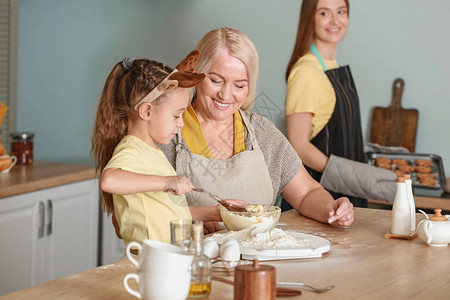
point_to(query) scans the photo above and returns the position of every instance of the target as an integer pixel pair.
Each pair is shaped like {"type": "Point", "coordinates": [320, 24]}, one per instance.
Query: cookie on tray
{"type": "Point", "coordinates": [427, 181]}
{"type": "Point", "coordinates": [382, 161]}
{"type": "Point", "coordinates": [406, 168]}
{"type": "Point", "coordinates": [399, 162]}
{"type": "Point", "coordinates": [425, 175]}
{"type": "Point", "coordinates": [421, 169]}
{"type": "Point", "coordinates": [422, 162]}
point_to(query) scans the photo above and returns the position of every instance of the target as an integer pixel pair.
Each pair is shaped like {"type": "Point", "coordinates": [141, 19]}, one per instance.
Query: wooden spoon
{"type": "Point", "coordinates": [281, 292]}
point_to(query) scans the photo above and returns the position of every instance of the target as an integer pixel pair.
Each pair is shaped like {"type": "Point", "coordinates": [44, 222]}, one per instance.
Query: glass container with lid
{"type": "Point", "coordinates": [22, 147]}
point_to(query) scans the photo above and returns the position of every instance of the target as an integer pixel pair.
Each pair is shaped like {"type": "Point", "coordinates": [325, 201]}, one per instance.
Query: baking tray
{"type": "Point", "coordinates": [437, 168]}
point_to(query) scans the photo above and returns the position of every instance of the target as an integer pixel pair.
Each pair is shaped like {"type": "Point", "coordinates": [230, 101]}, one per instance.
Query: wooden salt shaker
{"type": "Point", "coordinates": [255, 282]}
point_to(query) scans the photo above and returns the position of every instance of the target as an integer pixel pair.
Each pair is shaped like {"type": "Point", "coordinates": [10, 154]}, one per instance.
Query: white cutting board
{"type": "Point", "coordinates": [309, 246]}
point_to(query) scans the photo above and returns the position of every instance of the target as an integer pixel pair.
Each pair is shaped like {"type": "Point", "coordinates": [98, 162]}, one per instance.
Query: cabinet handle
{"type": "Point", "coordinates": [42, 216]}
{"type": "Point", "coordinates": [50, 216]}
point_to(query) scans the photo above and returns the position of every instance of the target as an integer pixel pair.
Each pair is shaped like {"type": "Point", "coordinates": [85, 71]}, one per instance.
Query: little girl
{"type": "Point", "coordinates": [141, 105]}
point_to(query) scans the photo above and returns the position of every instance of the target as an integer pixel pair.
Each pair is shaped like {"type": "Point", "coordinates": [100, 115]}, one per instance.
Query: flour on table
{"type": "Point", "coordinates": [275, 238]}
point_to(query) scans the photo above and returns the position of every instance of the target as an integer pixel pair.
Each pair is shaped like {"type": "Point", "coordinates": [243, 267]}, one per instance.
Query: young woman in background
{"type": "Point", "coordinates": [322, 106]}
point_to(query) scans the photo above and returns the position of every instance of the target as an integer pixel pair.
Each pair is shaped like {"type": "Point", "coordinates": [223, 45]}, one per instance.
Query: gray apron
{"type": "Point", "coordinates": [244, 176]}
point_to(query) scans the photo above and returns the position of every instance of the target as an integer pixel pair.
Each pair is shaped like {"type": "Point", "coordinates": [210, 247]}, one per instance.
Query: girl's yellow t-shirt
{"type": "Point", "coordinates": [145, 215]}
{"type": "Point", "coordinates": [310, 91]}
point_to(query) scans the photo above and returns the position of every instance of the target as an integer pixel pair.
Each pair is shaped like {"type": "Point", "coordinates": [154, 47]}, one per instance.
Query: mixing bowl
{"type": "Point", "coordinates": [266, 219]}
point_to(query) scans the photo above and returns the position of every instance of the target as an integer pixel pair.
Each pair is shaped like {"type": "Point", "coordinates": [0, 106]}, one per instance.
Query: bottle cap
{"type": "Point", "coordinates": [400, 179]}
{"type": "Point", "coordinates": [197, 230]}
{"type": "Point", "coordinates": [22, 136]}
{"type": "Point", "coordinates": [438, 216]}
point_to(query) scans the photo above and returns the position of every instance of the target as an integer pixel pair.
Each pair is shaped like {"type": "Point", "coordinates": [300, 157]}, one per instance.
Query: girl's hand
{"type": "Point", "coordinates": [342, 213]}
{"type": "Point", "coordinates": [178, 185]}
{"type": "Point", "coordinates": [210, 227]}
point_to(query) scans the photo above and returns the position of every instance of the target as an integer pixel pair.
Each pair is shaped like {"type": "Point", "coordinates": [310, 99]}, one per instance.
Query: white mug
{"type": "Point", "coordinates": [14, 161]}
{"type": "Point", "coordinates": [159, 257]}
{"type": "Point", "coordinates": [157, 286]}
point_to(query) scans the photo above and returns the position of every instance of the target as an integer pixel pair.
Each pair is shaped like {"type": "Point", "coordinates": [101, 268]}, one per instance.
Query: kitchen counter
{"type": "Point", "coordinates": [361, 264]}
{"type": "Point", "coordinates": [422, 202]}
{"type": "Point", "coordinates": [41, 175]}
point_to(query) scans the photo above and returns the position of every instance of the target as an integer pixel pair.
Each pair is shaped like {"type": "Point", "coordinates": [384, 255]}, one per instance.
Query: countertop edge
{"type": "Point", "coordinates": [69, 174]}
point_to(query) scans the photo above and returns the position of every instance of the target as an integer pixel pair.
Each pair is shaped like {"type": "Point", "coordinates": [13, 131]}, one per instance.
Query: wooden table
{"type": "Point", "coordinates": [362, 264]}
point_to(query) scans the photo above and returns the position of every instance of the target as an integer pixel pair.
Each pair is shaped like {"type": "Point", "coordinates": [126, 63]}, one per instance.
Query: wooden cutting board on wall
{"type": "Point", "coordinates": [394, 125]}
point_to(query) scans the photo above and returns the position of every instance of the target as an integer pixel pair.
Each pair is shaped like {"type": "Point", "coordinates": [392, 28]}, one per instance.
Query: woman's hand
{"type": "Point", "coordinates": [341, 214]}
{"type": "Point", "coordinates": [178, 185]}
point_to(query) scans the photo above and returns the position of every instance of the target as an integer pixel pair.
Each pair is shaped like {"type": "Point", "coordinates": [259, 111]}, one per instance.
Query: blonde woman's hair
{"type": "Point", "coordinates": [239, 46]}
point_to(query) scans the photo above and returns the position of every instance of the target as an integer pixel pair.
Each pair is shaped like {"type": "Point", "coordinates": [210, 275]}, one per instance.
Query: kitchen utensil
{"type": "Point", "coordinates": [238, 220]}
{"type": "Point", "coordinates": [157, 286]}
{"type": "Point", "coordinates": [158, 257]}
{"type": "Point", "coordinates": [227, 205]}
{"type": "Point", "coordinates": [254, 282]}
{"type": "Point", "coordinates": [300, 284]}
{"type": "Point", "coordinates": [280, 291]}
{"type": "Point", "coordinates": [395, 126]}
{"type": "Point", "coordinates": [435, 231]}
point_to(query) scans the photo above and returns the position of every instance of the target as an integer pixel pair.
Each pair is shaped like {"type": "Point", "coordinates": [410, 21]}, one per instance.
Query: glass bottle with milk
{"type": "Point", "coordinates": [401, 210]}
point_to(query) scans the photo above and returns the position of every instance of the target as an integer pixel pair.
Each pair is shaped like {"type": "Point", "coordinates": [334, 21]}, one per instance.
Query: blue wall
{"type": "Point", "coordinates": [67, 48]}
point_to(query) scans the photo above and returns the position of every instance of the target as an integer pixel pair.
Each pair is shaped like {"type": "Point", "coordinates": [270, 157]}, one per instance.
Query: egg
{"type": "Point", "coordinates": [210, 248]}
{"type": "Point", "coordinates": [209, 238]}
{"type": "Point", "coordinates": [230, 252]}
{"type": "Point", "coordinates": [228, 241]}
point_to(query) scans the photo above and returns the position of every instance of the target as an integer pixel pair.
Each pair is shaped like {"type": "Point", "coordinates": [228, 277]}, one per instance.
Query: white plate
{"type": "Point", "coordinates": [309, 246]}
{"type": "Point", "coordinates": [313, 246]}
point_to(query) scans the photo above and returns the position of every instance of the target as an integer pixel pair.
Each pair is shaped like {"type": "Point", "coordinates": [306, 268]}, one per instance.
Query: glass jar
{"type": "Point", "coordinates": [22, 147]}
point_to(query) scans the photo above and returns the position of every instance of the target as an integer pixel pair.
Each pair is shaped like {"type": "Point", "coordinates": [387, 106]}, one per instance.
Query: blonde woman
{"type": "Point", "coordinates": [232, 152]}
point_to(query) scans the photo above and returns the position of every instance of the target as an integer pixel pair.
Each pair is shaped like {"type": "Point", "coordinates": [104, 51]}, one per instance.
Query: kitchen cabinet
{"type": "Point", "coordinates": [48, 234]}
{"type": "Point", "coordinates": [113, 248]}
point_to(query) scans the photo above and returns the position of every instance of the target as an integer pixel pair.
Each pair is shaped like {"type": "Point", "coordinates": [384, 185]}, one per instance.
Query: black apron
{"type": "Point", "coordinates": [342, 135]}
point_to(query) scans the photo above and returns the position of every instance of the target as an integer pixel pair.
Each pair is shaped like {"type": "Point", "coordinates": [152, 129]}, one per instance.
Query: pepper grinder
{"type": "Point", "coordinates": [255, 282]}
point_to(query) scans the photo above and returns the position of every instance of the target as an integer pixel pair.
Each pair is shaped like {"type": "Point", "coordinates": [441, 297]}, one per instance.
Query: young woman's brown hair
{"type": "Point", "coordinates": [305, 31]}
{"type": "Point", "coordinates": [129, 81]}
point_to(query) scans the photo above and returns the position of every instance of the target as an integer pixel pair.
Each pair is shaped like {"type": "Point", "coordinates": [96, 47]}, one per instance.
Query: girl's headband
{"type": "Point", "coordinates": [183, 76]}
